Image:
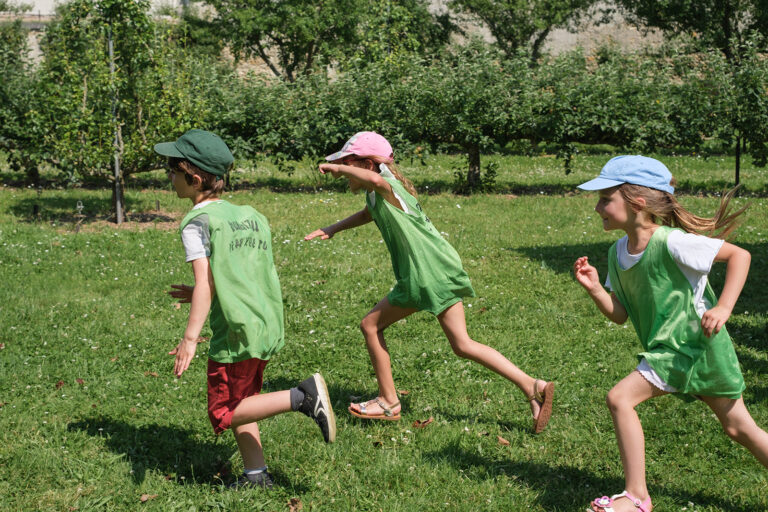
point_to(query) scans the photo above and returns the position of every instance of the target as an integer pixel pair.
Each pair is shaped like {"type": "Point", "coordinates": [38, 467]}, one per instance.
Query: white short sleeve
{"type": "Point", "coordinates": [693, 251]}
{"type": "Point", "coordinates": [196, 238]}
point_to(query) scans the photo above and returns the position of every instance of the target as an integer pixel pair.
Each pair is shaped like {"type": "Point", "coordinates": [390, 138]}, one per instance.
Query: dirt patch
{"type": "Point", "coordinates": [137, 221]}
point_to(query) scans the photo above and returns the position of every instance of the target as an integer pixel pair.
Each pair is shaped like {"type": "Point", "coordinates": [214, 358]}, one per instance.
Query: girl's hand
{"type": "Point", "coordinates": [714, 319]}
{"type": "Point", "coordinates": [334, 169]}
{"type": "Point", "coordinates": [324, 234]}
{"type": "Point", "coordinates": [586, 274]}
{"type": "Point", "coordinates": [184, 353]}
{"type": "Point", "coordinates": [182, 292]}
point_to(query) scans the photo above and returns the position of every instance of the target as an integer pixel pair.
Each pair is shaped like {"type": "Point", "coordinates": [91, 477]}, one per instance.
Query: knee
{"type": "Point", "coordinates": [368, 327]}
{"type": "Point", "coordinates": [462, 348]}
{"type": "Point", "coordinates": [616, 401]}
{"type": "Point", "coordinates": [737, 431]}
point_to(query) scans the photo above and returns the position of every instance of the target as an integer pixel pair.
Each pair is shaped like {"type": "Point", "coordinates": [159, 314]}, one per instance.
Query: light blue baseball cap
{"type": "Point", "coordinates": [634, 169]}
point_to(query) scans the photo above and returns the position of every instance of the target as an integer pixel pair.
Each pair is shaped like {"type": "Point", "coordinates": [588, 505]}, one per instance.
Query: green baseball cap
{"type": "Point", "coordinates": [204, 149]}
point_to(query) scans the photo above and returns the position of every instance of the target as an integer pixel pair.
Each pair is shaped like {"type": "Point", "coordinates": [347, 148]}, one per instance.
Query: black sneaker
{"type": "Point", "coordinates": [317, 405]}
{"type": "Point", "coordinates": [260, 480]}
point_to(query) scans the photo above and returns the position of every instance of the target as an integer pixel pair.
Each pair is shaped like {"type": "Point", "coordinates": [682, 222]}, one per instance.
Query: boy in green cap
{"type": "Point", "coordinates": [230, 249]}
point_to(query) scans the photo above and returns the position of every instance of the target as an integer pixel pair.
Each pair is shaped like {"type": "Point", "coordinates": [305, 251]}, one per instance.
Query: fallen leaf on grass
{"type": "Point", "coordinates": [2, 346]}
{"type": "Point", "coordinates": [295, 504]}
{"type": "Point", "coordinates": [403, 392]}
{"type": "Point", "coordinates": [423, 423]}
{"type": "Point", "coordinates": [146, 497]}
{"type": "Point", "coordinates": [59, 384]}
{"type": "Point", "coordinates": [502, 441]}
{"type": "Point", "coordinates": [3, 404]}
{"type": "Point", "coordinates": [483, 433]}
{"type": "Point", "coordinates": [483, 309]}
{"type": "Point", "coordinates": [113, 359]}
{"type": "Point", "coordinates": [80, 381]}
{"type": "Point", "coordinates": [377, 443]}
{"type": "Point", "coordinates": [151, 374]}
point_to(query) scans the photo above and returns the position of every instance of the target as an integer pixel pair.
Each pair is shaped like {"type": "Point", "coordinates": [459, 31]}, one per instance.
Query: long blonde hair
{"type": "Point", "coordinates": [664, 209]}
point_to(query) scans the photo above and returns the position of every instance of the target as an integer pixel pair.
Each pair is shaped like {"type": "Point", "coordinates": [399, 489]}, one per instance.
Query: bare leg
{"type": "Point", "coordinates": [622, 400]}
{"type": "Point", "coordinates": [249, 444]}
{"type": "Point", "coordinates": [455, 328]}
{"type": "Point", "coordinates": [379, 318]}
{"type": "Point", "coordinates": [247, 413]}
{"type": "Point", "coordinates": [739, 425]}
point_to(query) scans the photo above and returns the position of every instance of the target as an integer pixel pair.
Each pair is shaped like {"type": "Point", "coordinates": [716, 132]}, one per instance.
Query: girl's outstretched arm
{"type": "Point", "coordinates": [369, 180]}
{"type": "Point", "coordinates": [607, 303]}
{"type": "Point", "coordinates": [353, 221]}
{"type": "Point", "coordinates": [737, 267]}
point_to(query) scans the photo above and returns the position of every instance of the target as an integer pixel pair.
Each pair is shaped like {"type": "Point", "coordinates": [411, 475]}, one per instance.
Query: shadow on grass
{"type": "Point", "coordinates": [61, 207]}
{"type": "Point", "coordinates": [560, 487]}
{"type": "Point", "coordinates": [175, 452]}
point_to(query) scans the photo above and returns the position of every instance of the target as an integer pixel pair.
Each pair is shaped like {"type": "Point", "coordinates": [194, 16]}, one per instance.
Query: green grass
{"type": "Point", "coordinates": [91, 305]}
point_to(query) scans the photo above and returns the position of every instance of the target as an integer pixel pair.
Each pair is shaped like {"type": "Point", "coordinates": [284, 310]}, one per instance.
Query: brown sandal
{"type": "Point", "coordinates": [543, 397]}
{"type": "Point", "coordinates": [388, 414]}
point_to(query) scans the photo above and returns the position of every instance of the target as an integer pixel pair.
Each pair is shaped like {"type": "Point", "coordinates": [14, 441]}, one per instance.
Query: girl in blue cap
{"type": "Point", "coordinates": [657, 274]}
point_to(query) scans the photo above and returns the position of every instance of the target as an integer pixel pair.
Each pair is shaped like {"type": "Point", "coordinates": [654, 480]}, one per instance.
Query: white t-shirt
{"type": "Point", "coordinates": [196, 236]}
{"type": "Point", "coordinates": [694, 255]}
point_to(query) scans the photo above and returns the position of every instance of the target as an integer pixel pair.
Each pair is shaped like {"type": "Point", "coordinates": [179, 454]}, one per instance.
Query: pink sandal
{"type": "Point", "coordinates": [605, 504]}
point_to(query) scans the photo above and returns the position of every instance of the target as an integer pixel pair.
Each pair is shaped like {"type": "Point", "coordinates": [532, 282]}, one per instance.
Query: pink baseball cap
{"type": "Point", "coordinates": [364, 144]}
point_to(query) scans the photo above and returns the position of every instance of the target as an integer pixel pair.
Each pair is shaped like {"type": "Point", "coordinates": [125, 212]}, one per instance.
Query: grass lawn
{"type": "Point", "coordinates": [91, 417]}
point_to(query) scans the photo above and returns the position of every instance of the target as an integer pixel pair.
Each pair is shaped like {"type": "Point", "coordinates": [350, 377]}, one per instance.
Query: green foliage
{"type": "Point", "coordinates": [523, 24]}
{"type": "Point", "coordinates": [291, 37]}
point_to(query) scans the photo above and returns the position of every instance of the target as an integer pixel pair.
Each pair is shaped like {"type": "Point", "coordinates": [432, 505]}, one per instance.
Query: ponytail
{"type": "Point", "coordinates": [377, 160]}
{"type": "Point", "coordinates": [664, 209]}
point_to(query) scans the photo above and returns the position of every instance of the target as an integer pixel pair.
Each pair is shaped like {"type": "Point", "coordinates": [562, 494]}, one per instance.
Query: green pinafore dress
{"type": "Point", "coordinates": [428, 269]}
{"type": "Point", "coordinates": [659, 301]}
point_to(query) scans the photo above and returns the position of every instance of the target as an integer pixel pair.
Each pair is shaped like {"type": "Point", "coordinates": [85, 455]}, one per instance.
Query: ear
{"type": "Point", "coordinates": [641, 202]}
{"type": "Point", "coordinates": [197, 181]}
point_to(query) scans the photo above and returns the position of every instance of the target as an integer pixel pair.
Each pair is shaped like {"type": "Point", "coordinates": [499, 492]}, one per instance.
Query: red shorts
{"type": "Point", "coordinates": [228, 385]}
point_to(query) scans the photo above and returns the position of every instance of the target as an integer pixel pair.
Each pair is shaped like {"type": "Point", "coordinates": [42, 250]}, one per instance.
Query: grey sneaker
{"type": "Point", "coordinates": [317, 405]}
{"type": "Point", "coordinates": [260, 480]}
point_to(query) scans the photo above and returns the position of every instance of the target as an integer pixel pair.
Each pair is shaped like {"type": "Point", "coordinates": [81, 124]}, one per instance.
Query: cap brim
{"type": "Point", "coordinates": [168, 149]}
{"type": "Point", "coordinates": [600, 184]}
{"type": "Point", "coordinates": [337, 155]}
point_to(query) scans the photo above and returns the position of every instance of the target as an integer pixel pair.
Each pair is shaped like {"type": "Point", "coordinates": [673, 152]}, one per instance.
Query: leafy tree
{"type": "Point", "coordinates": [737, 28]}
{"type": "Point", "coordinates": [291, 37]}
{"type": "Point", "coordinates": [390, 28]}
{"type": "Point", "coordinates": [524, 24]}
{"type": "Point", "coordinates": [723, 24]}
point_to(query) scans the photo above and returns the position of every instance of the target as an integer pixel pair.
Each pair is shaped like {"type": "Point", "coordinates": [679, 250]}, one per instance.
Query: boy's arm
{"type": "Point", "coordinates": [202, 295]}
{"type": "Point", "coordinates": [607, 303]}
{"type": "Point", "coordinates": [737, 267]}
{"type": "Point", "coordinates": [353, 221]}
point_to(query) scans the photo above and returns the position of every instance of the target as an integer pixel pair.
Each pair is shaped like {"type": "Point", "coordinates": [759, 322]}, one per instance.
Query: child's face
{"type": "Point", "coordinates": [183, 189]}
{"type": "Point", "coordinates": [615, 212]}
{"type": "Point", "coordinates": [354, 184]}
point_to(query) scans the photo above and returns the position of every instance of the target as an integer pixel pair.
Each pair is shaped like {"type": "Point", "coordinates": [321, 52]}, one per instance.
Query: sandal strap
{"type": "Point", "coordinates": [387, 410]}
{"type": "Point", "coordinates": [536, 395]}
{"type": "Point", "coordinates": [378, 401]}
{"type": "Point", "coordinates": [641, 506]}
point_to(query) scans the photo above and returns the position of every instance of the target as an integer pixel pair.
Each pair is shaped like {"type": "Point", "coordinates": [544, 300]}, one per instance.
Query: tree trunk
{"type": "Point", "coordinates": [738, 160]}
{"type": "Point", "coordinates": [473, 174]}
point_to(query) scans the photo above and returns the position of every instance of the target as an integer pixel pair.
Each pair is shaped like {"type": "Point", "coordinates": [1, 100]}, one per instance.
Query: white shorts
{"type": "Point", "coordinates": [651, 376]}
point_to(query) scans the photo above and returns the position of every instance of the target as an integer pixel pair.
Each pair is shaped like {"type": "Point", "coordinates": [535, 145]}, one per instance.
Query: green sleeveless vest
{"type": "Point", "coordinates": [247, 310]}
{"type": "Point", "coordinates": [428, 270]}
{"type": "Point", "coordinates": [659, 301]}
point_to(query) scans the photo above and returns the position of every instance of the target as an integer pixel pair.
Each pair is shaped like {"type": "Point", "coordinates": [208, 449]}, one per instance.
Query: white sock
{"type": "Point", "coordinates": [254, 472]}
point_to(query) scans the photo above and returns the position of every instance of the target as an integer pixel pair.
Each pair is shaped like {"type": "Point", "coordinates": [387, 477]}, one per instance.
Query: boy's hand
{"type": "Point", "coordinates": [184, 353]}
{"type": "Point", "coordinates": [586, 274]}
{"type": "Point", "coordinates": [330, 168]}
{"type": "Point", "coordinates": [714, 319]}
{"type": "Point", "coordinates": [324, 234]}
{"type": "Point", "coordinates": [182, 292]}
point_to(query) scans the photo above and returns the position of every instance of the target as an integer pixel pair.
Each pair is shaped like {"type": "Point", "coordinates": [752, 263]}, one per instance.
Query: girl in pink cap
{"type": "Point", "coordinates": [429, 274]}
{"type": "Point", "coordinates": [657, 275]}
